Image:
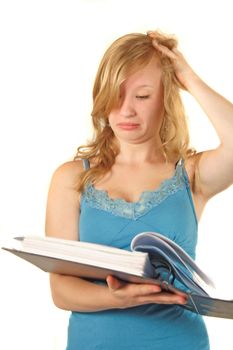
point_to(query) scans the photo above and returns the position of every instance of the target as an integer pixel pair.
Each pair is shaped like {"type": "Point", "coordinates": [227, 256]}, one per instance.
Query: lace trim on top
{"type": "Point", "coordinates": [100, 199]}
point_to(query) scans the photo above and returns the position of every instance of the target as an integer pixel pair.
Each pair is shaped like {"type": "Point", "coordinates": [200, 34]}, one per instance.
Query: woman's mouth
{"type": "Point", "coordinates": [128, 126]}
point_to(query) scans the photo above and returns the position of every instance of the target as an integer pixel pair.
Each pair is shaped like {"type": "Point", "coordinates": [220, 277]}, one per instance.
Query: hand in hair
{"type": "Point", "coordinates": [183, 70]}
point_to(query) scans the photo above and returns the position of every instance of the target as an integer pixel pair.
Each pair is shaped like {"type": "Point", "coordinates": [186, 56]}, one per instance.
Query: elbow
{"type": "Point", "coordinates": [57, 301]}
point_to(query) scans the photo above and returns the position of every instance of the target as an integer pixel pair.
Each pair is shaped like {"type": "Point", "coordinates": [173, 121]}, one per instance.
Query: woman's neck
{"type": "Point", "coordinates": [147, 152]}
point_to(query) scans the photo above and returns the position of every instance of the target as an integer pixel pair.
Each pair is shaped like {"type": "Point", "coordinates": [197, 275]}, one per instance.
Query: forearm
{"type": "Point", "coordinates": [76, 294]}
{"type": "Point", "coordinates": [218, 109]}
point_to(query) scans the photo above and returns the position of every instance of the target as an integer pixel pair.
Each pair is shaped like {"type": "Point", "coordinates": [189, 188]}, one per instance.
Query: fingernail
{"type": "Point", "coordinates": [182, 301]}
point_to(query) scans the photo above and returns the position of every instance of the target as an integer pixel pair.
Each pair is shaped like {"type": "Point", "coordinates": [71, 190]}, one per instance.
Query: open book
{"type": "Point", "coordinates": [153, 258]}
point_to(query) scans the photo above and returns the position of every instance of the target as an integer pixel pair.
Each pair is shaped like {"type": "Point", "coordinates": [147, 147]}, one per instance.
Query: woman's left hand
{"type": "Point", "coordinates": [183, 70]}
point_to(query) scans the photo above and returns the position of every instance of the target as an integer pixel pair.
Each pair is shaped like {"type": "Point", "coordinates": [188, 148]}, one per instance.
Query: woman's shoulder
{"type": "Point", "coordinates": [67, 173]}
{"type": "Point", "coordinates": [71, 167]}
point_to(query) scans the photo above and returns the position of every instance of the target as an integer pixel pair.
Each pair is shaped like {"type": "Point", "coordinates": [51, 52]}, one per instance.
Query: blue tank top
{"type": "Point", "coordinates": [168, 210]}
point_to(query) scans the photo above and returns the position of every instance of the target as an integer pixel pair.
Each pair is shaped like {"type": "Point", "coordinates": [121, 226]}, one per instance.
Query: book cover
{"type": "Point", "coordinates": [153, 259]}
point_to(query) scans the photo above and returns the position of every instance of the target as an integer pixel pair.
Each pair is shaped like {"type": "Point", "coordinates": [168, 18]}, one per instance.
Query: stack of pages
{"type": "Point", "coordinates": [153, 259]}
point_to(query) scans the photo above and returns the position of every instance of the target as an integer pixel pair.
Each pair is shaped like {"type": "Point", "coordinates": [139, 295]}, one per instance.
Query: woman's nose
{"type": "Point", "coordinates": [127, 108]}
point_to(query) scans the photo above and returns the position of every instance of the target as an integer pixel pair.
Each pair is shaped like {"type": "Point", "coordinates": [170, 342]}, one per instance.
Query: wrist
{"type": "Point", "coordinates": [191, 80]}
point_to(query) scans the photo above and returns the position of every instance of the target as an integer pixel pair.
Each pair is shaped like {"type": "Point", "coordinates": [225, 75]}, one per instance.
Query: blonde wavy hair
{"type": "Point", "coordinates": [125, 56]}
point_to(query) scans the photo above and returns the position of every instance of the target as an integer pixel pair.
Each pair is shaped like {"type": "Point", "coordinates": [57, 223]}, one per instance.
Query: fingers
{"type": "Point", "coordinates": [163, 298]}
{"type": "Point", "coordinates": [131, 289]}
{"type": "Point", "coordinates": [171, 53]}
{"type": "Point", "coordinates": [132, 294]}
{"type": "Point", "coordinates": [144, 289]}
{"type": "Point", "coordinates": [143, 293]}
{"type": "Point", "coordinates": [152, 34]}
{"type": "Point", "coordinates": [164, 50]}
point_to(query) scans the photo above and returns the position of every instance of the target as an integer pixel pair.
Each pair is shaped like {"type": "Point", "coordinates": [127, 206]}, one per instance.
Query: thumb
{"type": "Point", "coordinates": [113, 283]}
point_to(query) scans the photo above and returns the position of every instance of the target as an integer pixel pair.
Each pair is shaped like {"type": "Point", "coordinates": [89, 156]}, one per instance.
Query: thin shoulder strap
{"type": "Point", "coordinates": [86, 163]}
{"type": "Point", "coordinates": [181, 163]}
{"type": "Point", "coordinates": [187, 183]}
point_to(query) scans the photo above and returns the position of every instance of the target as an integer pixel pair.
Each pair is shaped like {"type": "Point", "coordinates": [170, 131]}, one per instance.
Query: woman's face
{"type": "Point", "coordinates": [139, 114]}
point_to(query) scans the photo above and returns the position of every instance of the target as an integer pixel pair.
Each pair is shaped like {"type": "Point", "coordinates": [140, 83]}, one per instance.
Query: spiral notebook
{"type": "Point", "coordinates": [153, 259]}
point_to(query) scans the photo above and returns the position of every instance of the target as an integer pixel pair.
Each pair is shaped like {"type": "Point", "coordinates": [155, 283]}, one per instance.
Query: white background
{"type": "Point", "coordinates": [50, 51]}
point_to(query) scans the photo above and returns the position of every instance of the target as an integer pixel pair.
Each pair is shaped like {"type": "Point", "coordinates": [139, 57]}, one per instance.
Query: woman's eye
{"type": "Point", "coordinates": [142, 96]}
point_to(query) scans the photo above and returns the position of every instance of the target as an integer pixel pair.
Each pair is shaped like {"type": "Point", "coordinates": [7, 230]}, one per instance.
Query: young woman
{"type": "Point", "coordinates": [138, 174]}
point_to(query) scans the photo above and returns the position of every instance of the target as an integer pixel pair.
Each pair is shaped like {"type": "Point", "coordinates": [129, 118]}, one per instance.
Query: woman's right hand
{"type": "Point", "coordinates": [132, 294]}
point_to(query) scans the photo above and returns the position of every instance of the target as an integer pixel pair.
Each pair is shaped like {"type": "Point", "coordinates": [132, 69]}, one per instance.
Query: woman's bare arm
{"type": "Point", "coordinates": [213, 168]}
